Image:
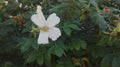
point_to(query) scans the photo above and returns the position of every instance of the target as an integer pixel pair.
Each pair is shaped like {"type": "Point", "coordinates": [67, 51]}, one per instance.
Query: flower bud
{"type": "Point", "coordinates": [106, 10]}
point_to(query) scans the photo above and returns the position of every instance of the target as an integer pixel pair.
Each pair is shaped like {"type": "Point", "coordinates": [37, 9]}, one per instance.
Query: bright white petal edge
{"type": "Point", "coordinates": [38, 18]}
{"type": "Point", "coordinates": [53, 20]}
{"type": "Point", "coordinates": [54, 33]}
{"type": "Point", "coordinates": [43, 38]}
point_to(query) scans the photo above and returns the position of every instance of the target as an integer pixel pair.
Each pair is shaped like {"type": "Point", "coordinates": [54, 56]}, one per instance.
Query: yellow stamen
{"type": "Point", "coordinates": [45, 28]}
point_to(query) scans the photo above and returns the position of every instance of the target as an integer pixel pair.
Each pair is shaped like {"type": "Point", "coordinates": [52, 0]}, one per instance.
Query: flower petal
{"type": "Point", "coordinates": [38, 18]}
{"type": "Point", "coordinates": [39, 9]}
{"type": "Point", "coordinates": [53, 20]}
{"type": "Point", "coordinates": [43, 38]}
{"type": "Point", "coordinates": [54, 33]}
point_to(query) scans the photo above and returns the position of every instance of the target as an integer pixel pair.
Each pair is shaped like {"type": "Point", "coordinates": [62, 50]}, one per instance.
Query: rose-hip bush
{"type": "Point", "coordinates": [90, 34]}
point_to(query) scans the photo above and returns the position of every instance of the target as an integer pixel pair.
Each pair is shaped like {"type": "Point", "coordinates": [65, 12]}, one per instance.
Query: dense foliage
{"type": "Point", "coordinates": [90, 34]}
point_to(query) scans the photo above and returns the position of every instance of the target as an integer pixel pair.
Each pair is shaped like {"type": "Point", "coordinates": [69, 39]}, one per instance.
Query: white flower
{"type": "Point", "coordinates": [20, 5]}
{"type": "Point", "coordinates": [6, 2]}
{"type": "Point", "coordinates": [17, 1]}
{"type": "Point", "coordinates": [47, 27]}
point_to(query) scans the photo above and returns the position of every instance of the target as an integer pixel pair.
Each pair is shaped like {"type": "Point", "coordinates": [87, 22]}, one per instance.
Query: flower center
{"type": "Point", "coordinates": [45, 28]}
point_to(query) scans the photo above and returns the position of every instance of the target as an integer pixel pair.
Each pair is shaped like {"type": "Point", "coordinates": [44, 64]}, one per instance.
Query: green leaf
{"type": "Point", "coordinates": [48, 55]}
{"type": "Point", "coordinates": [25, 46]}
{"type": "Point", "coordinates": [116, 62]}
{"type": "Point", "coordinates": [27, 43]}
{"type": "Point", "coordinates": [73, 26]}
{"type": "Point", "coordinates": [107, 61]}
{"type": "Point", "coordinates": [70, 46]}
{"type": "Point", "coordinates": [35, 46]}
{"type": "Point", "coordinates": [93, 3]}
{"type": "Point", "coordinates": [32, 57]}
{"type": "Point", "coordinates": [102, 23]}
{"type": "Point", "coordinates": [27, 27]}
{"type": "Point", "coordinates": [79, 44]}
{"type": "Point", "coordinates": [40, 59]}
{"type": "Point", "coordinates": [62, 45]}
{"type": "Point", "coordinates": [59, 51]}
{"type": "Point", "coordinates": [67, 30]}
{"type": "Point", "coordinates": [52, 49]}
{"type": "Point", "coordinates": [83, 44]}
